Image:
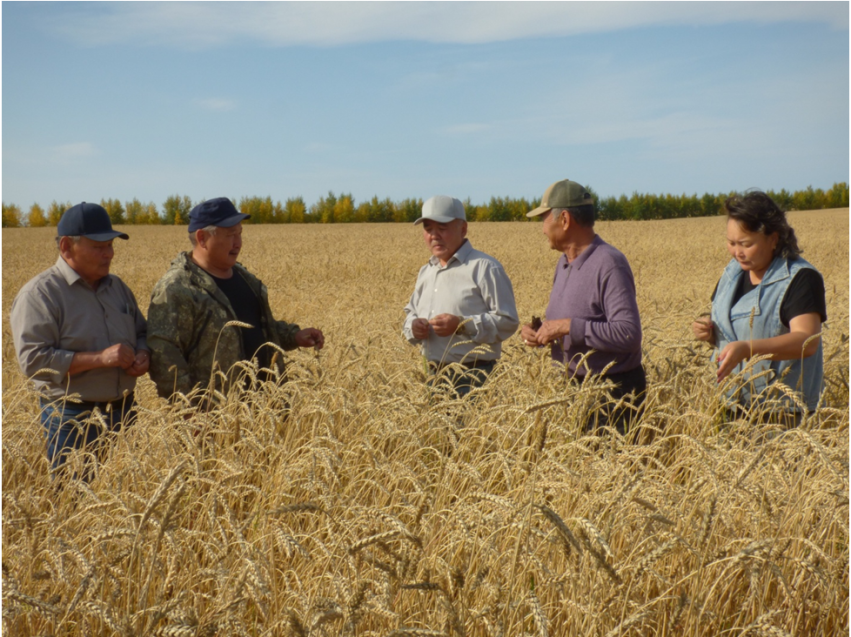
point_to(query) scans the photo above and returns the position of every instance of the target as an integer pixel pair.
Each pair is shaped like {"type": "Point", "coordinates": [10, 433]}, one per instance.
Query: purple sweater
{"type": "Point", "coordinates": [597, 292]}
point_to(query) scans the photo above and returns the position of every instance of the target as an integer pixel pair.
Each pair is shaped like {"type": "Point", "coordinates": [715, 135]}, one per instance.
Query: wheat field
{"type": "Point", "coordinates": [350, 501]}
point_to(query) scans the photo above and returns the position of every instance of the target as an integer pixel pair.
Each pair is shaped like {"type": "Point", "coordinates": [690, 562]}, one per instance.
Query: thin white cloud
{"type": "Point", "coordinates": [208, 24]}
{"type": "Point", "coordinates": [72, 152]}
{"type": "Point", "coordinates": [217, 104]}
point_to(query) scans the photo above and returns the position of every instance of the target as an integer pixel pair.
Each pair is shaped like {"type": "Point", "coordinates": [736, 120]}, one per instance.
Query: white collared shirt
{"type": "Point", "coordinates": [474, 286]}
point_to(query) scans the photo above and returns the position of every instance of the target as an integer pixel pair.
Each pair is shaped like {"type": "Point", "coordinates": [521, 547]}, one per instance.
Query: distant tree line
{"type": "Point", "coordinates": [343, 209]}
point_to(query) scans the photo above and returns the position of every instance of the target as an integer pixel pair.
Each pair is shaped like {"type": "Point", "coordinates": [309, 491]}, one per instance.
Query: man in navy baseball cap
{"type": "Point", "coordinates": [219, 212]}
{"type": "Point", "coordinates": [87, 220]}
{"type": "Point", "coordinates": [209, 312]}
{"type": "Point", "coordinates": [80, 335]}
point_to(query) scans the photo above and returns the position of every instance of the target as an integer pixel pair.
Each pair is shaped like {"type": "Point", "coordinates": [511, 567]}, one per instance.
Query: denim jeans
{"type": "Point", "coordinates": [69, 426]}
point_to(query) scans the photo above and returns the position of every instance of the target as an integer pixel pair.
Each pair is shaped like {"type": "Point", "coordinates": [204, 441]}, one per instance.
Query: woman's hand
{"type": "Point", "coordinates": [732, 354]}
{"type": "Point", "coordinates": [704, 330]}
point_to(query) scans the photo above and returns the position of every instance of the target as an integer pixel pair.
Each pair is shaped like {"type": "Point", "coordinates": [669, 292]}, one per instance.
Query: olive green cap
{"type": "Point", "coordinates": [562, 194]}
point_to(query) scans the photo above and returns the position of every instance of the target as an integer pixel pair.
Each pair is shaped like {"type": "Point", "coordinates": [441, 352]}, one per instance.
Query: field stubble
{"type": "Point", "coordinates": [368, 511]}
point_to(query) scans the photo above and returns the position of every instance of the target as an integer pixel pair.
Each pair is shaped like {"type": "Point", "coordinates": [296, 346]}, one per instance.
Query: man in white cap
{"type": "Point", "coordinates": [463, 305]}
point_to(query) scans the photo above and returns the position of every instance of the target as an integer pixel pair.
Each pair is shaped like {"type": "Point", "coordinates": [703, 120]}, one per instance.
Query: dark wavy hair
{"type": "Point", "coordinates": [757, 212]}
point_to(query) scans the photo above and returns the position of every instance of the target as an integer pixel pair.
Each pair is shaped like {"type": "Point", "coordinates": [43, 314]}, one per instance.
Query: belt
{"type": "Point", "coordinates": [104, 405]}
{"type": "Point", "coordinates": [476, 364]}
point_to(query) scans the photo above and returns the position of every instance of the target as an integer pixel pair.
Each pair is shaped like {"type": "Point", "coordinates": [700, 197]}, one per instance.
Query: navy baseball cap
{"type": "Point", "coordinates": [218, 212]}
{"type": "Point", "coordinates": [87, 220]}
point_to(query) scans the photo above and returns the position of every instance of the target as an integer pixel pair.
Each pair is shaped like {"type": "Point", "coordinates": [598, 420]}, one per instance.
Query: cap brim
{"type": "Point", "coordinates": [231, 221]}
{"type": "Point", "coordinates": [107, 236]}
{"type": "Point", "coordinates": [538, 211]}
{"type": "Point", "coordinates": [436, 219]}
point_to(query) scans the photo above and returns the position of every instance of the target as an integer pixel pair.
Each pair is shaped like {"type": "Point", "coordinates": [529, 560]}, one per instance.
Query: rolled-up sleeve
{"type": "Point", "coordinates": [500, 321]}
{"type": "Point", "coordinates": [35, 331]}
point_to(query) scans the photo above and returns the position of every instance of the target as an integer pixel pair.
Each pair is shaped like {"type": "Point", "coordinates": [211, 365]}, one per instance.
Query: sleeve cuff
{"type": "Point", "coordinates": [62, 363]}
{"type": "Point", "coordinates": [469, 328]}
{"type": "Point", "coordinates": [577, 332]}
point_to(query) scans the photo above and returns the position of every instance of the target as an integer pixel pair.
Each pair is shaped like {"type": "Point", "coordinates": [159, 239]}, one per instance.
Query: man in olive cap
{"type": "Point", "coordinates": [462, 307]}
{"type": "Point", "coordinates": [592, 320]}
{"type": "Point", "coordinates": [203, 291]}
{"type": "Point", "coordinates": [83, 323]}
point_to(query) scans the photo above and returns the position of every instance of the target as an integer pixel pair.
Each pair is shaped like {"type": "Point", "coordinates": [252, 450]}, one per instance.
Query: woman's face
{"type": "Point", "coordinates": [753, 250]}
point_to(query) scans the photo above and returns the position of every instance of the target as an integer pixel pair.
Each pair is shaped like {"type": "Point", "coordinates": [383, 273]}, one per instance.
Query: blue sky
{"type": "Point", "coordinates": [138, 99]}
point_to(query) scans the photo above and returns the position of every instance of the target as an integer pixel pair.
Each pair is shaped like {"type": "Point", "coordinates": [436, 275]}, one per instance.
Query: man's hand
{"type": "Point", "coordinates": [732, 354]}
{"type": "Point", "coordinates": [552, 330]}
{"type": "Point", "coordinates": [529, 335]}
{"type": "Point", "coordinates": [310, 337]}
{"type": "Point", "coordinates": [140, 364]}
{"type": "Point", "coordinates": [419, 328]}
{"type": "Point", "coordinates": [119, 355]}
{"type": "Point", "coordinates": [703, 329]}
{"type": "Point", "coordinates": [445, 324]}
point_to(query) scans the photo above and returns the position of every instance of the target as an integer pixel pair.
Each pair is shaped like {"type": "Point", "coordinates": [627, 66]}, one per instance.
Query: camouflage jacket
{"type": "Point", "coordinates": [186, 328]}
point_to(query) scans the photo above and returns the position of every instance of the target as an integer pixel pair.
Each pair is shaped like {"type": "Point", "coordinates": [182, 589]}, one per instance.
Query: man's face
{"type": "Point", "coordinates": [90, 259]}
{"type": "Point", "coordinates": [444, 239]}
{"type": "Point", "coordinates": [224, 246]}
{"type": "Point", "coordinates": [553, 229]}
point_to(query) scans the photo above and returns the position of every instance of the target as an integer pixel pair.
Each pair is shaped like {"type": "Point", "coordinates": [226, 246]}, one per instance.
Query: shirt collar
{"type": "Point", "coordinates": [461, 254]}
{"type": "Point", "coordinates": [71, 276]}
{"type": "Point", "coordinates": [582, 258]}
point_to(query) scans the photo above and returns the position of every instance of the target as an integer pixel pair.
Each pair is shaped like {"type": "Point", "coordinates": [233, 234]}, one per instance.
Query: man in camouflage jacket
{"type": "Point", "coordinates": [201, 293]}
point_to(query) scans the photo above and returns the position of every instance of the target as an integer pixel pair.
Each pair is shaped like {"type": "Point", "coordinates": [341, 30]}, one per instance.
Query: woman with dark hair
{"type": "Point", "coordinates": [768, 301]}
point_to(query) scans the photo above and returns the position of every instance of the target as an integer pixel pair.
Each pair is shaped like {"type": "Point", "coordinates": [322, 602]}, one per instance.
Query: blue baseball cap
{"type": "Point", "coordinates": [218, 212]}
{"type": "Point", "coordinates": [87, 220]}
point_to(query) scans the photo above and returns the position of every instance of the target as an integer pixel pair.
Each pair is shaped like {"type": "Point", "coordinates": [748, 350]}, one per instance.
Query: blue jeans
{"type": "Point", "coordinates": [69, 426]}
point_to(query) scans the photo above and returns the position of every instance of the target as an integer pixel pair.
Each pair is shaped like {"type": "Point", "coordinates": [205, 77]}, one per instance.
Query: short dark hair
{"type": "Point", "coordinates": [582, 215]}
{"type": "Point", "coordinates": [757, 212]}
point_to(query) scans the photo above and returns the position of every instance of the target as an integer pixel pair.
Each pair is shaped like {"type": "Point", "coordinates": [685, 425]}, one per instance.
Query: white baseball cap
{"type": "Point", "coordinates": [442, 209]}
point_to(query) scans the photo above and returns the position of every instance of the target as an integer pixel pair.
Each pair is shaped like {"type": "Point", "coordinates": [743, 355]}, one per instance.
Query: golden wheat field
{"type": "Point", "coordinates": [370, 507]}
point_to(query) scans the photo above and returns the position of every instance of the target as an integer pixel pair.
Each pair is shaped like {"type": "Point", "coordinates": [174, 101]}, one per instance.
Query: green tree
{"type": "Point", "coordinates": [323, 210]}
{"type": "Point", "coordinates": [151, 215]}
{"type": "Point", "coordinates": [176, 210]}
{"type": "Point", "coordinates": [837, 196]}
{"type": "Point", "coordinates": [36, 217]}
{"type": "Point", "coordinates": [134, 211]}
{"type": "Point", "coordinates": [498, 209]}
{"type": "Point", "coordinates": [344, 209]}
{"type": "Point", "coordinates": [381, 210]}
{"type": "Point", "coordinates": [408, 210]}
{"type": "Point", "coordinates": [114, 209]}
{"type": "Point", "coordinates": [12, 216]}
{"type": "Point", "coordinates": [55, 211]}
{"type": "Point", "coordinates": [278, 213]}
{"type": "Point", "coordinates": [295, 210]}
